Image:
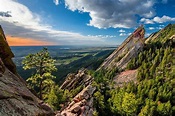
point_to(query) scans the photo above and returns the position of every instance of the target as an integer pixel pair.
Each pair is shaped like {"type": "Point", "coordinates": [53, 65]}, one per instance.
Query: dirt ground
{"type": "Point", "coordinates": [125, 77]}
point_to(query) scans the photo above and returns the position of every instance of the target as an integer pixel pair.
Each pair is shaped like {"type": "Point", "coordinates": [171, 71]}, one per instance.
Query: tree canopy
{"type": "Point", "coordinates": [43, 65]}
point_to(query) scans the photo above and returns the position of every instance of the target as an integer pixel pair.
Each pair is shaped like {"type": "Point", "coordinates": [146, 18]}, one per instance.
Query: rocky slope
{"type": "Point", "coordinates": [127, 50]}
{"type": "Point", "coordinates": [125, 77]}
{"type": "Point", "coordinates": [75, 80]}
{"type": "Point", "coordinates": [15, 98]}
{"type": "Point", "coordinates": [82, 103]}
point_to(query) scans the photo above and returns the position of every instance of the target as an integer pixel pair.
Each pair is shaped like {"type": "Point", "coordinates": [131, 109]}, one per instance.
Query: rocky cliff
{"type": "Point", "coordinates": [74, 80]}
{"type": "Point", "coordinates": [15, 98]}
{"type": "Point", "coordinates": [82, 103]}
{"type": "Point", "coordinates": [5, 53]}
{"type": "Point", "coordinates": [127, 50]}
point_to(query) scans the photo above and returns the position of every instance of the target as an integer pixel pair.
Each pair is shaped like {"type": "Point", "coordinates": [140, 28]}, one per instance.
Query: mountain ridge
{"type": "Point", "coordinates": [130, 47]}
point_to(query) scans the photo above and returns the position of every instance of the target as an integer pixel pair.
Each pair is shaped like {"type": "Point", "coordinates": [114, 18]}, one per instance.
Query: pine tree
{"type": "Point", "coordinates": [44, 65]}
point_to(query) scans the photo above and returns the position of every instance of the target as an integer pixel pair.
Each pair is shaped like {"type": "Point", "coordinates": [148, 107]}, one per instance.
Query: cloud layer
{"type": "Point", "coordinates": [17, 20]}
{"type": "Point", "coordinates": [113, 13]}
{"type": "Point", "coordinates": [157, 19]}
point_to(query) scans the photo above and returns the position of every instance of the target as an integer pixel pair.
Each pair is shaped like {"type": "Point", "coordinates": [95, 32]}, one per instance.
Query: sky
{"type": "Point", "coordinates": [81, 22]}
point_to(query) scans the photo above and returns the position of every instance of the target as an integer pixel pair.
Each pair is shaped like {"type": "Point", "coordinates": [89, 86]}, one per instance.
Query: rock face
{"type": "Point", "coordinates": [6, 53]}
{"type": "Point", "coordinates": [127, 50]}
{"type": "Point", "coordinates": [74, 80]}
{"type": "Point", "coordinates": [15, 98]}
{"type": "Point", "coordinates": [82, 104]}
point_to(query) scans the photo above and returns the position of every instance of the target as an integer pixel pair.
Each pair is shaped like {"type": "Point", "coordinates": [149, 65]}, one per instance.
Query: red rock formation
{"type": "Point", "coordinates": [74, 80]}
{"type": "Point", "coordinates": [82, 104]}
{"type": "Point", "coordinates": [127, 50]}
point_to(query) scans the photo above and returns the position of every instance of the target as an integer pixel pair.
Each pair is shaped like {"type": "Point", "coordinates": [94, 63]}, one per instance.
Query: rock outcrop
{"type": "Point", "coordinates": [74, 80]}
{"type": "Point", "coordinates": [15, 98]}
{"type": "Point", "coordinates": [82, 104]}
{"type": "Point", "coordinates": [6, 53]}
{"type": "Point", "coordinates": [127, 50]}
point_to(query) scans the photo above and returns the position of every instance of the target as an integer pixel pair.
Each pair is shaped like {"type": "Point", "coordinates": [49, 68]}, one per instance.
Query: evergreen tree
{"type": "Point", "coordinates": [44, 65]}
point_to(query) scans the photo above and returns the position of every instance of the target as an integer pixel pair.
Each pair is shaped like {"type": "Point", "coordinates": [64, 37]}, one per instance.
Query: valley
{"type": "Point", "coordinates": [68, 58]}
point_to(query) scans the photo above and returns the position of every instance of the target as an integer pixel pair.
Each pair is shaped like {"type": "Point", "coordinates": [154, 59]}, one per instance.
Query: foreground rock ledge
{"type": "Point", "coordinates": [15, 98]}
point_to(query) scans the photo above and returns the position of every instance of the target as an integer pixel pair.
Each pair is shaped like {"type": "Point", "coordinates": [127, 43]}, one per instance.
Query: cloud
{"type": "Point", "coordinates": [147, 34]}
{"type": "Point", "coordinates": [122, 34]}
{"type": "Point", "coordinates": [5, 14]}
{"type": "Point", "coordinates": [146, 21]}
{"type": "Point", "coordinates": [26, 24]}
{"type": "Point", "coordinates": [163, 19]}
{"type": "Point", "coordinates": [157, 19]}
{"type": "Point", "coordinates": [113, 13]}
{"type": "Point", "coordinates": [103, 36]}
{"type": "Point", "coordinates": [161, 25]}
{"type": "Point", "coordinates": [125, 34]}
{"type": "Point", "coordinates": [149, 15]}
{"type": "Point", "coordinates": [121, 31]}
{"type": "Point", "coordinates": [151, 28]}
{"type": "Point", "coordinates": [158, 27]}
{"type": "Point", "coordinates": [56, 2]}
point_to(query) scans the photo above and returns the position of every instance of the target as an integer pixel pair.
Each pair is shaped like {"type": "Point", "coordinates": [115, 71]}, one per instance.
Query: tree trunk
{"type": "Point", "coordinates": [41, 82]}
{"type": "Point", "coordinates": [40, 90]}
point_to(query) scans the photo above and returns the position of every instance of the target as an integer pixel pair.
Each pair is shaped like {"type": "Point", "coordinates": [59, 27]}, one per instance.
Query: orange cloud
{"type": "Point", "coordinates": [19, 41]}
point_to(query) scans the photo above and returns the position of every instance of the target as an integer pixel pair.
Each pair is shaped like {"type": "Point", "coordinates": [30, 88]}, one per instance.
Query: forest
{"type": "Point", "coordinates": [154, 92]}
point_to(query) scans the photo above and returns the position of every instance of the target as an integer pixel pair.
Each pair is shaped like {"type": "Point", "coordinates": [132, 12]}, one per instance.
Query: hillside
{"type": "Point", "coordinates": [82, 80]}
{"type": "Point", "coordinates": [140, 82]}
{"type": "Point", "coordinates": [146, 85]}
